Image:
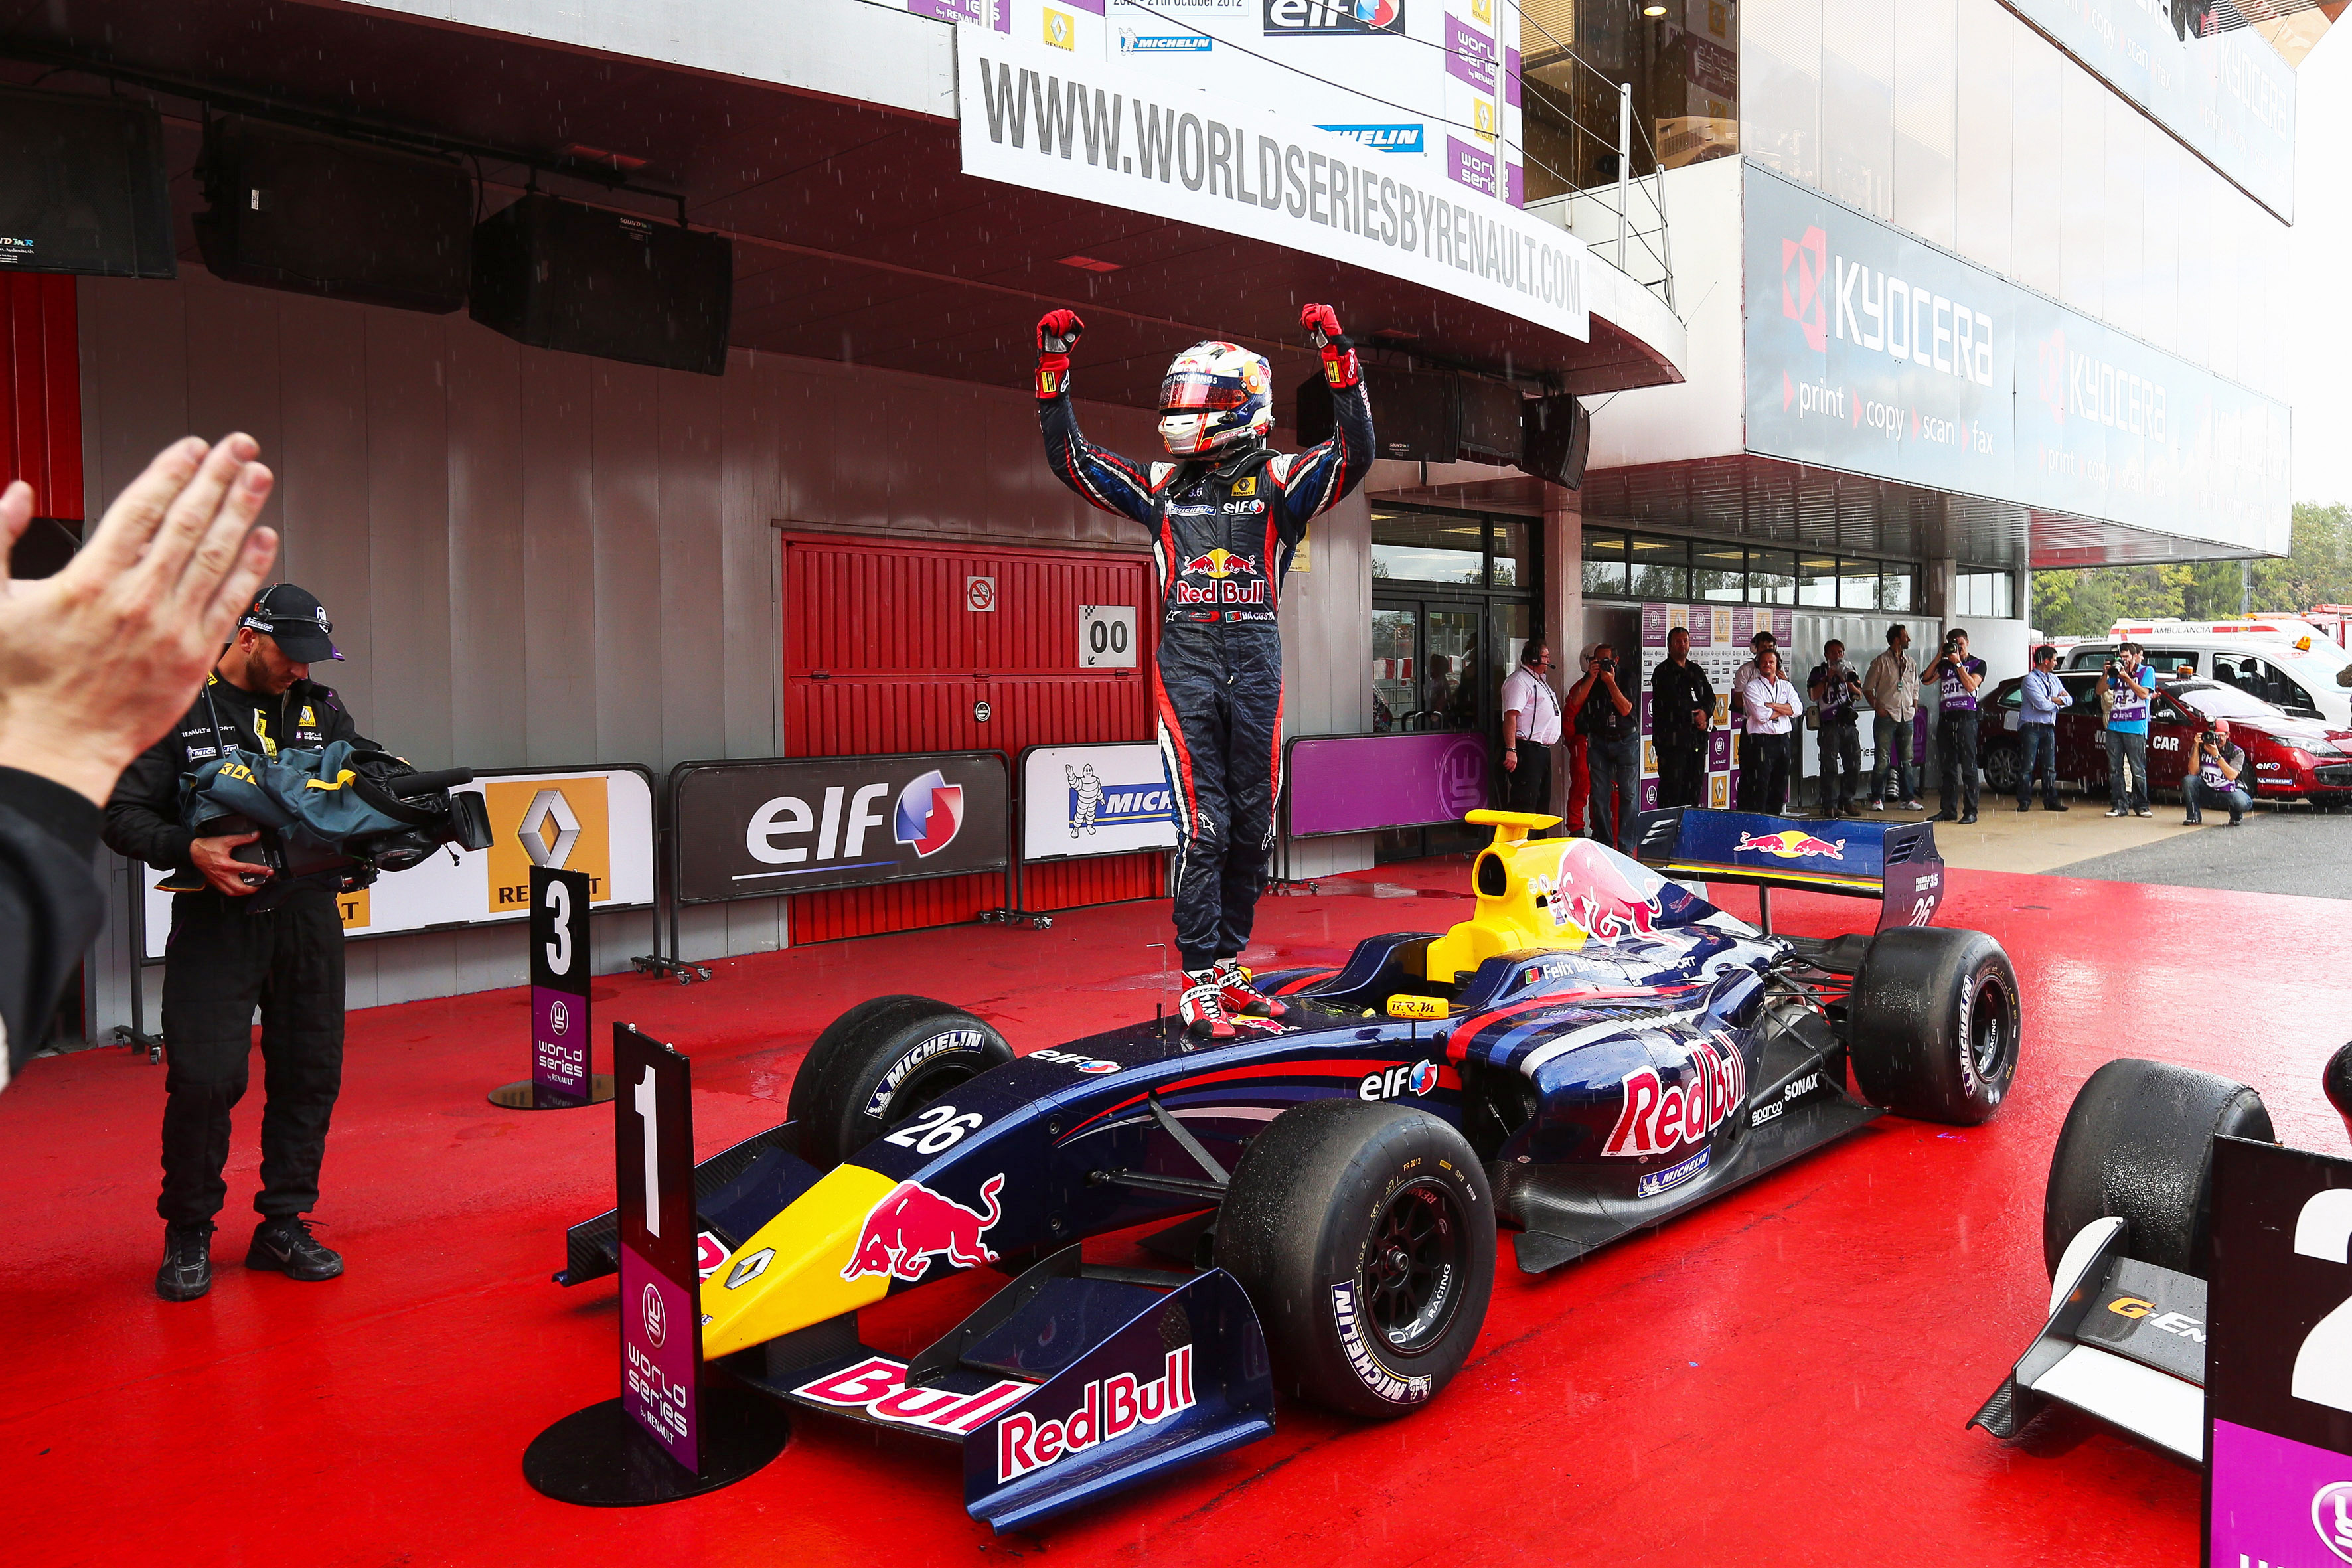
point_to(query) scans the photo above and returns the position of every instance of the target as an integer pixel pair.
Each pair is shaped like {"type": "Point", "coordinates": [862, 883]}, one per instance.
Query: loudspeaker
{"type": "Point", "coordinates": [1489, 419]}
{"type": "Point", "coordinates": [560, 275]}
{"type": "Point", "coordinates": [1413, 416]}
{"type": "Point", "coordinates": [83, 186]}
{"type": "Point", "coordinates": [1555, 437]}
{"type": "Point", "coordinates": [317, 215]}
{"type": "Point", "coordinates": [44, 548]}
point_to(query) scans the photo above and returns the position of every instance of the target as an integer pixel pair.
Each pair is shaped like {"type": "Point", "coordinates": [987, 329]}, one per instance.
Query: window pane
{"type": "Point", "coordinates": [1771, 577]}
{"type": "Point", "coordinates": [1396, 685]}
{"type": "Point", "coordinates": [1660, 568]}
{"type": "Point", "coordinates": [1720, 572]}
{"type": "Point", "coordinates": [1514, 566]}
{"type": "Point", "coordinates": [1604, 565]}
{"type": "Point", "coordinates": [1817, 580]}
{"type": "Point", "coordinates": [1894, 588]}
{"type": "Point", "coordinates": [1858, 589]}
{"type": "Point", "coordinates": [1428, 549]}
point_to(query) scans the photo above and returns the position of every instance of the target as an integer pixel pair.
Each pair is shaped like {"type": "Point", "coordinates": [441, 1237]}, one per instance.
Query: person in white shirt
{"type": "Point", "coordinates": [1530, 730]}
{"type": "Point", "coordinates": [1739, 680]}
{"type": "Point", "coordinates": [1771, 704]}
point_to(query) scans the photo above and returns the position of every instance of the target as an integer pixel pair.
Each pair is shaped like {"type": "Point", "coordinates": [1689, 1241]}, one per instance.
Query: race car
{"type": "Point", "coordinates": [2287, 758]}
{"type": "Point", "coordinates": [2126, 1238]}
{"type": "Point", "coordinates": [1595, 1051]}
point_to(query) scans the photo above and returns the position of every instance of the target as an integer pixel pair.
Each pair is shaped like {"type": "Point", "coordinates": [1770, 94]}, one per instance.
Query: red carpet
{"type": "Point", "coordinates": [1779, 1379]}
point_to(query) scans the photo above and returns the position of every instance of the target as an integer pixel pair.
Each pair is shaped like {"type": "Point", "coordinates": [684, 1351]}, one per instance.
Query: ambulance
{"type": "Point", "coordinates": [2286, 660]}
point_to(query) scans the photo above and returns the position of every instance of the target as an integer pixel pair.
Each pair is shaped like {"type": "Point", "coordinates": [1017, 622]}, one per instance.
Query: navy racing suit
{"type": "Point", "coordinates": [1222, 533]}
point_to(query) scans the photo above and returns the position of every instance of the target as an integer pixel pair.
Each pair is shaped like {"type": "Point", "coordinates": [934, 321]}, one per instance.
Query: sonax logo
{"type": "Point", "coordinates": [1803, 263]}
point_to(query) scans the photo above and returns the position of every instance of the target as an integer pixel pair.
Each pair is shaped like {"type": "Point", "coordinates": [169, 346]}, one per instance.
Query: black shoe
{"type": "Point", "coordinates": [187, 1271]}
{"type": "Point", "coordinates": [1968, 818]}
{"type": "Point", "coordinates": [287, 1246]}
{"type": "Point", "coordinates": [2055, 805]}
{"type": "Point", "coordinates": [2192, 821]}
{"type": "Point", "coordinates": [2025, 806]}
{"type": "Point", "coordinates": [1946, 816]}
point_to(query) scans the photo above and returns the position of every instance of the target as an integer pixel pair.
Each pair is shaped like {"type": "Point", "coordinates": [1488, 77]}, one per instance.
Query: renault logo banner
{"type": "Point", "coordinates": [1112, 133]}
{"type": "Point", "coordinates": [597, 821]}
{"type": "Point", "coordinates": [754, 830]}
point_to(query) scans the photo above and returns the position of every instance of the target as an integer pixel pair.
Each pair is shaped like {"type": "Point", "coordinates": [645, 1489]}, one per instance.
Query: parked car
{"type": "Point", "coordinates": [2287, 757]}
{"type": "Point", "coordinates": [2305, 674]}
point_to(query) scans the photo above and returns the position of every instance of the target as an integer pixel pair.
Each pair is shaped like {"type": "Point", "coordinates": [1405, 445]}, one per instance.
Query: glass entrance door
{"type": "Point", "coordinates": [1430, 668]}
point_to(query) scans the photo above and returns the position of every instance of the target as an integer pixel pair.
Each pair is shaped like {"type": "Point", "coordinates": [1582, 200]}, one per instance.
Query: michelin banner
{"type": "Point", "coordinates": [1878, 353]}
{"type": "Point", "coordinates": [599, 821]}
{"type": "Point", "coordinates": [1108, 131]}
{"type": "Point", "coordinates": [1079, 801]}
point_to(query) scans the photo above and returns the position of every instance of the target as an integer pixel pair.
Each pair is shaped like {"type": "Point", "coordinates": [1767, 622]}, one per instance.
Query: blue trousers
{"type": "Point", "coordinates": [2038, 754]}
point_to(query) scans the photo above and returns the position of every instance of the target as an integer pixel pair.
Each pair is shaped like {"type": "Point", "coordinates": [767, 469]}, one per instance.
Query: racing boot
{"type": "Point", "coordinates": [1239, 995]}
{"type": "Point", "coordinates": [285, 1244]}
{"type": "Point", "coordinates": [187, 1271]}
{"type": "Point", "coordinates": [1203, 1005]}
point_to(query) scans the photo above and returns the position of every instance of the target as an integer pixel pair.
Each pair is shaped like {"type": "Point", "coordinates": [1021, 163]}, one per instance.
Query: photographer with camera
{"type": "Point", "coordinates": [226, 956]}
{"type": "Point", "coordinates": [1605, 717]}
{"type": "Point", "coordinates": [2130, 686]}
{"type": "Point", "coordinates": [2214, 781]}
{"type": "Point", "coordinates": [1957, 676]}
{"type": "Point", "coordinates": [1836, 686]}
{"type": "Point", "coordinates": [1773, 706]}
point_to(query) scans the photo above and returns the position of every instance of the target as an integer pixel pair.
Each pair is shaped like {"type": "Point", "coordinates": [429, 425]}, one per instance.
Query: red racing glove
{"type": "Point", "coordinates": [1057, 335]}
{"type": "Point", "coordinates": [1322, 324]}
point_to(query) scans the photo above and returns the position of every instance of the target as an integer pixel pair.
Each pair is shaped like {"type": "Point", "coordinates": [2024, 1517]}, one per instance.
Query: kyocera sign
{"type": "Point", "coordinates": [791, 826]}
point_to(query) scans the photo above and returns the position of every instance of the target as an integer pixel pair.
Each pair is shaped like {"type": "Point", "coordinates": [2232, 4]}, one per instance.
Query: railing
{"type": "Point", "coordinates": [1623, 221]}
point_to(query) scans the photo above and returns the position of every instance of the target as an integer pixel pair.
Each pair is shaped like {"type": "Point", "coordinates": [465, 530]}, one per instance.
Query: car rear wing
{"type": "Point", "coordinates": [1894, 862]}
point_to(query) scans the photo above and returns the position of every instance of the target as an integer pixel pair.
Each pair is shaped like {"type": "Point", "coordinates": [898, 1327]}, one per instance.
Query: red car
{"type": "Point", "coordinates": [2286, 757]}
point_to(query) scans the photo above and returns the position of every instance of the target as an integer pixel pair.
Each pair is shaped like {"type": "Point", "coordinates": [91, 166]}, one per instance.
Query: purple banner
{"type": "Point", "coordinates": [2277, 1500]}
{"type": "Point", "coordinates": [1515, 184]}
{"type": "Point", "coordinates": [1469, 55]}
{"type": "Point", "coordinates": [1354, 783]}
{"type": "Point", "coordinates": [1718, 750]}
{"type": "Point", "coordinates": [1471, 165]}
{"type": "Point", "coordinates": [1511, 85]}
{"type": "Point", "coordinates": [559, 1043]}
{"type": "Point", "coordinates": [657, 1357]}
{"type": "Point", "coordinates": [979, 13]}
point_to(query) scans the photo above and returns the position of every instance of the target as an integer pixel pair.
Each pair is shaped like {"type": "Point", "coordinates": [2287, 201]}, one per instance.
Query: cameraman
{"type": "Point", "coordinates": [1613, 735]}
{"type": "Point", "coordinates": [226, 957]}
{"type": "Point", "coordinates": [1836, 686]}
{"type": "Point", "coordinates": [1957, 676]}
{"type": "Point", "coordinates": [2219, 766]}
{"type": "Point", "coordinates": [2130, 686]}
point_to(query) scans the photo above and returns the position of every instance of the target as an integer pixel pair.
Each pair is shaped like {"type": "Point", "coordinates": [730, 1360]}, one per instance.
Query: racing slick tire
{"type": "Point", "coordinates": [1364, 1233]}
{"type": "Point", "coordinates": [880, 1063]}
{"type": "Point", "coordinates": [1932, 1024]}
{"type": "Point", "coordinates": [2137, 1144]}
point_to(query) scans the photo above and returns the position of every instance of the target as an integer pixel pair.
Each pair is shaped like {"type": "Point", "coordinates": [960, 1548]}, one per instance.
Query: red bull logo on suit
{"type": "Point", "coordinates": [914, 1225]}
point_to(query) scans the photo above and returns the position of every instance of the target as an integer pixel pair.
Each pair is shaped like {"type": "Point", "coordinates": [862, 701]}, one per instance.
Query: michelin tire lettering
{"type": "Point", "coordinates": [953, 1040]}
{"type": "Point", "coordinates": [1358, 1348]}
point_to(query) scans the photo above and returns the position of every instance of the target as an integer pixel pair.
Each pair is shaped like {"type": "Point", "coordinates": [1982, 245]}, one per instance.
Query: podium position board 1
{"type": "Point", "coordinates": [559, 984]}
{"type": "Point", "coordinates": [2278, 1366]}
{"type": "Point", "coordinates": [661, 1318]}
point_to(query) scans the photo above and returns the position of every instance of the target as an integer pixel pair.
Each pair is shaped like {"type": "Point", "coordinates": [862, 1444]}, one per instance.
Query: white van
{"type": "Point", "coordinates": [2285, 662]}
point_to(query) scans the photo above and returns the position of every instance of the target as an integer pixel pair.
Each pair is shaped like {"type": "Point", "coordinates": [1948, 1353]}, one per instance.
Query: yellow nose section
{"type": "Point", "coordinates": [790, 1275]}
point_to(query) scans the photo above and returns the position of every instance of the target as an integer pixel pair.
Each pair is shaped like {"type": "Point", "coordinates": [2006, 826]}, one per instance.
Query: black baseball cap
{"type": "Point", "coordinates": [295, 618]}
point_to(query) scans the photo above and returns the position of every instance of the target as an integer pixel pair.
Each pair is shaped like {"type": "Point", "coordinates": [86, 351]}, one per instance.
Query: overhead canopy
{"type": "Point", "coordinates": [855, 236]}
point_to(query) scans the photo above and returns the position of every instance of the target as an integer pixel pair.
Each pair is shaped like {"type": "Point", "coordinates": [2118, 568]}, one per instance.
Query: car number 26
{"type": "Point", "coordinates": [935, 1129]}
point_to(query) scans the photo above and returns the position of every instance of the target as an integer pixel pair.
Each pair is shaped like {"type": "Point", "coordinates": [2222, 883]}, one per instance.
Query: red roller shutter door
{"type": "Point", "coordinates": [40, 389]}
{"type": "Point", "coordinates": [882, 655]}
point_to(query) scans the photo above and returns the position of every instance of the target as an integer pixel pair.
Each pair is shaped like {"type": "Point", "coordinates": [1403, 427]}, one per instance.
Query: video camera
{"type": "Point", "coordinates": [367, 813]}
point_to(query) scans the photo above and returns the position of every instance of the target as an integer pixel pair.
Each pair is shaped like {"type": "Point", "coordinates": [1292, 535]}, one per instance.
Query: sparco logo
{"type": "Point", "coordinates": [1802, 264]}
{"type": "Point", "coordinates": [1292, 19]}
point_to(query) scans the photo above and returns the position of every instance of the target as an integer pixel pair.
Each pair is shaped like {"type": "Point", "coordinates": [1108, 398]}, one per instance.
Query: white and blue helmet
{"type": "Point", "coordinates": [1215, 394]}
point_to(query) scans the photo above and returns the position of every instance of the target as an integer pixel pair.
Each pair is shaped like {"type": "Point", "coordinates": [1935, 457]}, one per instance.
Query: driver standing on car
{"type": "Point", "coordinates": [1225, 518]}
{"type": "Point", "coordinates": [226, 958]}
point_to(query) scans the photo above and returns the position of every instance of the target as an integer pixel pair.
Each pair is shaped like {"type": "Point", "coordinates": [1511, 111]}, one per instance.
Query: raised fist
{"type": "Point", "coordinates": [1058, 331]}
{"type": "Point", "coordinates": [1322, 324]}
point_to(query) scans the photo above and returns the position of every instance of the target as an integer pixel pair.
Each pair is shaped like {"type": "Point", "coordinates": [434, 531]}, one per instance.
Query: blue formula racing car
{"type": "Point", "coordinates": [1595, 1051]}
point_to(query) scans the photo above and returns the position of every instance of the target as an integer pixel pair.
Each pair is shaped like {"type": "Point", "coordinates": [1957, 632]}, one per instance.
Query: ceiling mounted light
{"type": "Point", "coordinates": [1653, 10]}
{"type": "Point", "coordinates": [1088, 264]}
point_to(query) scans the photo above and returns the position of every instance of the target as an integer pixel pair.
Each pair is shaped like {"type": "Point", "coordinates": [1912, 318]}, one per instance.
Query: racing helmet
{"type": "Point", "coordinates": [1215, 394]}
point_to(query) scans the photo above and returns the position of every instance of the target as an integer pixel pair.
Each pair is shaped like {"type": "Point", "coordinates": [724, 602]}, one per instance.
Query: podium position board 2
{"type": "Point", "coordinates": [559, 984]}
{"type": "Point", "coordinates": [2278, 1369]}
{"type": "Point", "coordinates": [661, 1319]}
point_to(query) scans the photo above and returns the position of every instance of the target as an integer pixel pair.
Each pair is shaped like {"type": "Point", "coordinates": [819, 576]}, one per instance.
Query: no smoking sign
{"type": "Point", "coordinates": [979, 594]}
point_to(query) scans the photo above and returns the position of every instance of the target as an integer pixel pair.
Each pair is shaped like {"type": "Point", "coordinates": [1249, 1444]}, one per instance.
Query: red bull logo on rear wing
{"type": "Point", "coordinates": [1894, 862]}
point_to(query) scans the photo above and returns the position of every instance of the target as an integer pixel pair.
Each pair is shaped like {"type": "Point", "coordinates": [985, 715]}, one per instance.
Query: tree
{"type": "Point", "coordinates": [2317, 569]}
